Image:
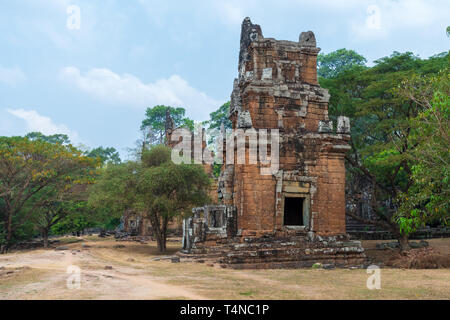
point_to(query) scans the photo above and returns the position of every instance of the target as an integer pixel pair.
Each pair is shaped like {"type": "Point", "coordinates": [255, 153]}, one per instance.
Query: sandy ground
{"type": "Point", "coordinates": [43, 274]}
{"type": "Point", "coordinates": [126, 270]}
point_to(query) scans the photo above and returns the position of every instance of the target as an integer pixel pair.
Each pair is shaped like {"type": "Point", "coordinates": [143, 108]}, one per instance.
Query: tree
{"type": "Point", "coordinates": [168, 190]}
{"type": "Point", "coordinates": [57, 205]}
{"type": "Point", "coordinates": [29, 169]}
{"type": "Point", "coordinates": [333, 63]}
{"type": "Point", "coordinates": [155, 186]}
{"type": "Point", "coordinates": [105, 155]}
{"type": "Point", "coordinates": [428, 199]}
{"type": "Point", "coordinates": [219, 117]}
{"type": "Point", "coordinates": [154, 123]}
{"type": "Point", "coordinates": [55, 138]}
{"type": "Point", "coordinates": [115, 191]}
{"type": "Point", "coordinates": [216, 120]}
{"type": "Point", "coordinates": [80, 217]}
{"type": "Point", "coordinates": [382, 136]}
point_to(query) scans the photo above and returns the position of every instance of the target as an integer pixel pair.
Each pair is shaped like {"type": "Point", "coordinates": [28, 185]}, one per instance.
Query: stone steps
{"type": "Point", "coordinates": [271, 252]}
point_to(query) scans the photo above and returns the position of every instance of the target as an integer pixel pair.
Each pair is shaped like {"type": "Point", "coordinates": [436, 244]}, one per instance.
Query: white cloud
{"type": "Point", "coordinates": [128, 90]}
{"type": "Point", "coordinates": [45, 125]}
{"type": "Point", "coordinates": [12, 76]}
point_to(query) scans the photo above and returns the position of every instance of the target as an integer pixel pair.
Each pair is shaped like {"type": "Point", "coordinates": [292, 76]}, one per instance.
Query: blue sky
{"type": "Point", "coordinates": [94, 83]}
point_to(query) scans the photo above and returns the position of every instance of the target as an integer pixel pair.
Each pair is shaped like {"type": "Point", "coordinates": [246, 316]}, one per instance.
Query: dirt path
{"type": "Point", "coordinates": [43, 274]}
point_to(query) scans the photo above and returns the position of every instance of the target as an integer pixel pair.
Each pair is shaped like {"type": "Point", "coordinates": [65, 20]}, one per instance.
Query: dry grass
{"type": "Point", "coordinates": [436, 256]}
{"type": "Point", "coordinates": [309, 284]}
{"type": "Point", "coordinates": [425, 258]}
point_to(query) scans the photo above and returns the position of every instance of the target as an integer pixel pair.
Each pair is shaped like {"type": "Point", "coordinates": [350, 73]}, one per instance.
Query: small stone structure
{"type": "Point", "coordinates": [296, 216]}
{"type": "Point", "coordinates": [137, 224]}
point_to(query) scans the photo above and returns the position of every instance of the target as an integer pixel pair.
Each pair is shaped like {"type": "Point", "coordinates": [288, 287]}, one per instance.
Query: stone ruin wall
{"type": "Point", "coordinates": [277, 88]}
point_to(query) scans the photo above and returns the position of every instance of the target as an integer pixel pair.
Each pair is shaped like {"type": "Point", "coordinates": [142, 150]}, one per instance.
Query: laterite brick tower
{"type": "Point", "coordinates": [295, 216]}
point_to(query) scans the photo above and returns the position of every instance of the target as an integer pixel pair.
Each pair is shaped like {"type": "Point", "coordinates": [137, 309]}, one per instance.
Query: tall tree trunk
{"type": "Point", "coordinates": [44, 233]}
{"type": "Point", "coordinates": [9, 231]}
{"type": "Point", "coordinates": [160, 231]}
{"type": "Point", "coordinates": [159, 235]}
{"type": "Point", "coordinates": [403, 242]}
{"type": "Point", "coordinates": [161, 239]}
{"type": "Point", "coordinates": [3, 246]}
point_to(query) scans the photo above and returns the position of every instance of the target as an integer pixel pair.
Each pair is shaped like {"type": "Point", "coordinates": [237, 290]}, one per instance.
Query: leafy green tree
{"type": "Point", "coordinates": [155, 186]}
{"type": "Point", "coordinates": [76, 221]}
{"type": "Point", "coordinates": [428, 198]}
{"type": "Point", "coordinates": [216, 119]}
{"type": "Point", "coordinates": [333, 63]}
{"type": "Point", "coordinates": [105, 155]}
{"type": "Point", "coordinates": [115, 191]}
{"type": "Point", "coordinates": [382, 136]}
{"type": "Point", "coordinates": [168, 190]}
{"type": "Point", "coordinates": [219, 117]}
{"type": "Point", "coordinates": [28, 170]}
{"type": "Point", "coordinates": [55, 138]}
{"type": "Point", "coordinates": [154, 123]}
{"type": "Point", "coordinates": [60, 205]}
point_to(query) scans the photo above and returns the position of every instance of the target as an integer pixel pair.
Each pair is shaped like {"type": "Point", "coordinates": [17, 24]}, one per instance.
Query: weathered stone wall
{"type": "Point", "coordinates": [277, 88]}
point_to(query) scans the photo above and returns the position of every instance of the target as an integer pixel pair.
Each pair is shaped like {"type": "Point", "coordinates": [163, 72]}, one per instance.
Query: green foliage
{"type": "Point", "coordinates": [217, 167]}
{"type": "Point", "coordinates": [109, 224]}
{"type": "Point", "coordinates": [72, 223]}
{"type": "Point", "coordinates": [428, 198]}
{"type": "Point", "coordinates": [55, 138]}
{"type": "Point", "coordinates": [168, 190]}
{"type": "Point", "coordinates": [105, 155]}
{"type": "Point", "coordinates": [216, 119]}
{"type": "Point", "coordinates": [155, 186]}
{"type": "Point", "coordinates": [36, 173]}
{"type": "Point", "coordinates": [386, 148]}
{"type": "Point", "coordinates": [219, 117]}
{"type": "Point", "coordinates": [332, 64]}
{"type": "Point", "coordinates": [156, 156]}
{"type": "Point", "coordinates": [115, 189]}
{"type": "Point", "coordinates": [155, 122]}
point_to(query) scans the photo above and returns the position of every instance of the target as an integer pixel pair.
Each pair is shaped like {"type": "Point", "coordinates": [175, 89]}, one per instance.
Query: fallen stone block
{"type": "Point", "coordinates": [175, 259]}
{"type": "Point", "coordinates": [62, 248]}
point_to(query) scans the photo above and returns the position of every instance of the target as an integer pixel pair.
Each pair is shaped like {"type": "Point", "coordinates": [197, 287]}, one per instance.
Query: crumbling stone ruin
{"type": "Point", "coordinates": [294, 217]}
{"type": "Point", "coordinates": [137, 224]}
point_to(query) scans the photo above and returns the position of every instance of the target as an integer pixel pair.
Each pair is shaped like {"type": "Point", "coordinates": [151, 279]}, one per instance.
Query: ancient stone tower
{"type": "Point", "coordinates": [290, 211]}
{"type": "Point", "coordinates": [277, 88]}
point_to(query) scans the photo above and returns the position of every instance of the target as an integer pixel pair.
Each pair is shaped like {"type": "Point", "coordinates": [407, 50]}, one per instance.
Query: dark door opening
{"type": "Point", "coordinates": [293, 211]}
